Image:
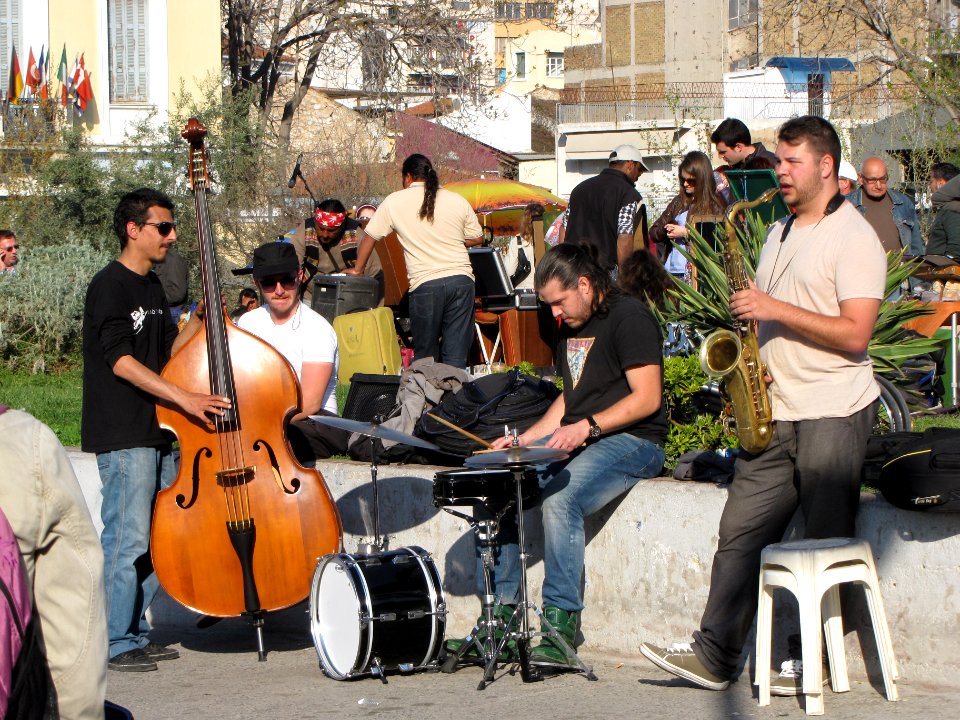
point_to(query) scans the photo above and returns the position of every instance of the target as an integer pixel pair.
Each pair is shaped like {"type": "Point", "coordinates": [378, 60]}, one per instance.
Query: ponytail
{"type": "Point", "coordinates": [420, 168]}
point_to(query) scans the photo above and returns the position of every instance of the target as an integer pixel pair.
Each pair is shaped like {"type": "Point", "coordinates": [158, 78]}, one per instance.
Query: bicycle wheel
{"type": "Point", "coordinates": [893, 415]}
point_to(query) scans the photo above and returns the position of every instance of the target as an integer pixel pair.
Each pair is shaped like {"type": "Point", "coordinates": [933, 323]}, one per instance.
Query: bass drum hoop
{"type": "Point", "coordinates": [358, 582]}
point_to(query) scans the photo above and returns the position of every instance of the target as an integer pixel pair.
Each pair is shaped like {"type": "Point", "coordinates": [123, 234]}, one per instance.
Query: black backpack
{"type": "Point", "coordinates": [484, 406]}
{"type": "Point", "coordinates": [917, 471]}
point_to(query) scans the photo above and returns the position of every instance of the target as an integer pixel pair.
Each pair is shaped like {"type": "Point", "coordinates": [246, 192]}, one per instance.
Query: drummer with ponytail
{"type": "Point", "coordinates": [435, 227]}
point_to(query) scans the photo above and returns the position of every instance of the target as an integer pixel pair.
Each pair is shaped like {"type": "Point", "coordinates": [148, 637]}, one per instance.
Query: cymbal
{"type": "Point", "coordinates": [526, 455]}
{"type": "Point", "coordinates": [373, 430]}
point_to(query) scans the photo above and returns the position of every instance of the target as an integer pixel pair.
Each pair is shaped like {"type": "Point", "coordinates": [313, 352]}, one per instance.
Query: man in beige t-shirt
{"type": "Point", "coordinates": [819, 285]}
{"type": "Point", "coordinates": [435, 227]}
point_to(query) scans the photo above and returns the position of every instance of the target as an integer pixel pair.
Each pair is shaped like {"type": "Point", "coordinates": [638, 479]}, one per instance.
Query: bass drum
{"type": "Point", "coordinates": [373, 613]}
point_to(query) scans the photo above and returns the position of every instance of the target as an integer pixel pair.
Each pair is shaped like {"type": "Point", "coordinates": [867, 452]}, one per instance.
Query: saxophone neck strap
{"type": "Point", "coordinates": [835, 202]}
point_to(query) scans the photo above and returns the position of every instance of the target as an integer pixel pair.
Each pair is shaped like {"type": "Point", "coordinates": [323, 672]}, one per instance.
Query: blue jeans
{"type": "Point", "coordinates": [131, 479]}
{"type": "Point", "coordinates": [572, 489]}
{"type": "Point", "coordinates": [441, 319]}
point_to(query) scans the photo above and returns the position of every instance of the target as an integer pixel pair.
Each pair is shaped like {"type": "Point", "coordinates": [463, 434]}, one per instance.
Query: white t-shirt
{"type": "Point", "coordinates": [306, 338]}
{"type": "Point", "coordinates": [815, 268]}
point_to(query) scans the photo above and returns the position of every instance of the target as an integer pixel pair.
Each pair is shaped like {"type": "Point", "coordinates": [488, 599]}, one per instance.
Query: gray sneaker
{"type": "Point", "coordinates": [680, 660]}
{"type": "Point", "coordinates": [157, 652]}
{"type": "Point", "coordinates": [790, 681]}
{"type": "Point", "coordinates": [135, 660]}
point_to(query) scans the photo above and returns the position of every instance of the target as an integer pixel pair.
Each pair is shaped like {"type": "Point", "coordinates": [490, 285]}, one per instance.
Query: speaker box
{"type": "Point", "coordinates": [335, 295]}
{"type": "Point", "coordinates": [370, 395]}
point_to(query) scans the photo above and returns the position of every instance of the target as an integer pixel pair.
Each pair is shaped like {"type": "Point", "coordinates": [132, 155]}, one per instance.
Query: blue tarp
{"type": "Point", "coordinates": [812, 65]}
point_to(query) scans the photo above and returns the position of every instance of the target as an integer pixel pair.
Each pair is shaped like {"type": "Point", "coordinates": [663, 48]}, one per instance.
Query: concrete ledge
{"type": "Point", "coordinates": [648, 564]}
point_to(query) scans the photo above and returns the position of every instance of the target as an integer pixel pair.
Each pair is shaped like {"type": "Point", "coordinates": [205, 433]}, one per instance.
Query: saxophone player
{"type": "Point", "coordinates": [819, 284]}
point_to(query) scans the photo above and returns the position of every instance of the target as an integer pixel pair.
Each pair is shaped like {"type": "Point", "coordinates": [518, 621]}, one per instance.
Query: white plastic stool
{"type": "Point", "coordinates": [813, 570]}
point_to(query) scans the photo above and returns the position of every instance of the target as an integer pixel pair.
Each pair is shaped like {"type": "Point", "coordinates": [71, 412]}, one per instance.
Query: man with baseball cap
{"type": "Point", "coordinates": [847, 176]}
{"type": "Point", "coordinates": [305, 339]}
{"type": "Point", "coordinates": [604, 210]}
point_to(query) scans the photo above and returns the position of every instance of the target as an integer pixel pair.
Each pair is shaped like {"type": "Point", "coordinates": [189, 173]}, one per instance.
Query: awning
{"type": "Point", "coordinates": [812, 65]}
{"type": "Point", "coordinates": [599, 145]}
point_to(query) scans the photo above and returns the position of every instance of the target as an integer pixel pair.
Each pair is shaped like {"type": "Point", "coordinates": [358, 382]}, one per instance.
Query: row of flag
{"type": "Point", "coordinates": [36, 82]}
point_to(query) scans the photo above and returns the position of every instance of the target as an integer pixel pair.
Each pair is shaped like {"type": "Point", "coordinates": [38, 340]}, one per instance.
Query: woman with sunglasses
{"type": "Point", "coordinates": [698, 196]}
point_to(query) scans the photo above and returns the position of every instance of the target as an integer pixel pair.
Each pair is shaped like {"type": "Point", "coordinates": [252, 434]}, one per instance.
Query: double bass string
{"type": "Point", "coordinates": [233, 481]}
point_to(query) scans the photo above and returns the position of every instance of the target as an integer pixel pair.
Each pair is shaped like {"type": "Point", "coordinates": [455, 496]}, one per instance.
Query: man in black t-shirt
{"type": "Point", "coordinates": [610, 419]}
{"type": "Point", "coordinates": [128, 336]}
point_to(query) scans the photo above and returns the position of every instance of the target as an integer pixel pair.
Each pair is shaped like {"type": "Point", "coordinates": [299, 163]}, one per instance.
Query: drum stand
{"type": "Point", "coordinates": [518, 626]}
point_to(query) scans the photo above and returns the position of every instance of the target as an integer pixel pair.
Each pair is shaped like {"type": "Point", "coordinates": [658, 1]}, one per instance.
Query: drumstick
{"type": "Point", "coordinates": [460, 430]}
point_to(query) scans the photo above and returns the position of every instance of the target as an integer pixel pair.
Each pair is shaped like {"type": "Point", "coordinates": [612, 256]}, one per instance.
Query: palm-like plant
{"type": "Point", "coordinates": [705, 308]}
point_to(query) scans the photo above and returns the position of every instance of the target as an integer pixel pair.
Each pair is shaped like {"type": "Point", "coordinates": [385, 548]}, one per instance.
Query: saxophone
{"type": "Point", "coordinates": [734, 356]}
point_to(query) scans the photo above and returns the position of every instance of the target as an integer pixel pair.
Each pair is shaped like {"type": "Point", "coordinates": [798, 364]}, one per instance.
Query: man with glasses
{"type": "Point", "coordinates": [128, 336]}
{"type": "Point", "coordinates": [892, 214]}
{"type": "Point", "coordinates": [306, 340]}
{"type": "Point", "coordinates": [8, 252]}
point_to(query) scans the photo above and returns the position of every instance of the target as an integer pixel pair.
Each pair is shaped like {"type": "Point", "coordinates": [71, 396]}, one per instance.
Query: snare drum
{"type": "Point", "coordinates": [371, 613]}
{"type": "Point", "coordinates": [494, 489]}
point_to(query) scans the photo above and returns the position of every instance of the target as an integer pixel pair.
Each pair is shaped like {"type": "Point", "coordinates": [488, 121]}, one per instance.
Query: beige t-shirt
{"type": "Point", "coordinates": [431, 250]}
{"type": "Point", "coordinates": [815, 268]}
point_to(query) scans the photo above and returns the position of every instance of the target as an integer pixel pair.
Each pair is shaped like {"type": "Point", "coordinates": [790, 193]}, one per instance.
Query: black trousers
{"type": "Point", "coordinates": [810, 464]}
{"type": "Point", "coordinates": [312, 441]}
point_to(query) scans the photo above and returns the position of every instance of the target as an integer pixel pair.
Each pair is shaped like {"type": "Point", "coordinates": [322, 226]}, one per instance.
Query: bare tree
{"type": "Point", "coordinates": [910, 41]}
{"type": "Point", "coordinates": [389, 42]}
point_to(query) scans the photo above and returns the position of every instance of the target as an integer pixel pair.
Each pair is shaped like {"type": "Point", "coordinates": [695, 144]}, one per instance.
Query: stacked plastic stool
{"type": "Point", "coordinates": [813, 570]}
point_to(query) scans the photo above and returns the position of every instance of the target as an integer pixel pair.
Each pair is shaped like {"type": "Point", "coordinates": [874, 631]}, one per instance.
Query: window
{"type": "Point", "coordinates": [540, 10]}
{"type": "Point", "coordinates": [10, 15]}
{"type": "Point", "coordinates": [127, 31]}
{"type": "Point", "coordinates": [520, 66]}
{"type": "Point", "coordinates": [509, 11]}
{"type": "Point", "coordinates": [554, 64]}
{"type": "Point", "coordinates": [742, 12]}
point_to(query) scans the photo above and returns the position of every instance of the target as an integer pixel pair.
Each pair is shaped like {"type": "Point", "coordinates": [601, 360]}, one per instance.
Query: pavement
{"type": "Point", "coordinates": [218, 675]}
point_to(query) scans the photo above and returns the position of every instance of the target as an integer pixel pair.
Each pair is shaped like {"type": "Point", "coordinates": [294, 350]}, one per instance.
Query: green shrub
{"type": "Point", "coordinates": [41, 307]}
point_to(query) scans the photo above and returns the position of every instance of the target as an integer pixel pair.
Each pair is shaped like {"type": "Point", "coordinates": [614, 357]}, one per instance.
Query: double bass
{"type": "Point", "coordinates": [240, 529]}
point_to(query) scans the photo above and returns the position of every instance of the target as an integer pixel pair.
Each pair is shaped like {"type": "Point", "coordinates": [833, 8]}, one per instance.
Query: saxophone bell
{"type": "Point", "coordinates": [720, 353]}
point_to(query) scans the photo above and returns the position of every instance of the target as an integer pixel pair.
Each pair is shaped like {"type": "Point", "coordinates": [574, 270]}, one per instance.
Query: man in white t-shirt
{"type": "Point", "coordinates": [820, 281]}
{"type": "Point", "coordinates": [305, 339]}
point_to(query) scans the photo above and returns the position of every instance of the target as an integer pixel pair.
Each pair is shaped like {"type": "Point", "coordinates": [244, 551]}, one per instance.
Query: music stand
{"type": "Point", "coordinates": [492, 281]}
{"type": "Point", "coordinates": [751, 184]}
{"type": "Point", "coordinates": [489, 272]}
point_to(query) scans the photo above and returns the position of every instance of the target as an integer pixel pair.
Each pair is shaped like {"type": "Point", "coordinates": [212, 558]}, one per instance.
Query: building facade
{"type": "Point", "coordinates": [140, 54]}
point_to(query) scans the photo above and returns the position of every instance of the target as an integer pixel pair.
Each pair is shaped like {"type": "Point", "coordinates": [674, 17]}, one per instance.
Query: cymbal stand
{"type": "Point", "coordinates": [379, 544]}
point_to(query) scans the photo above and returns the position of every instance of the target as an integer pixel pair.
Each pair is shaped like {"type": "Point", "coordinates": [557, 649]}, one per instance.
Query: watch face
{"type": "Point", "coordinates": [594, 431]}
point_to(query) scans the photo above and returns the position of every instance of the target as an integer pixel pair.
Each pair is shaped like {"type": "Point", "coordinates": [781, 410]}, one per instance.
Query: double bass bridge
{"type": "Point", "coordinates": [235, 477]}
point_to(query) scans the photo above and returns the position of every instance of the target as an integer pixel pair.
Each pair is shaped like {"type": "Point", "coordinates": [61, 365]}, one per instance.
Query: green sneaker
{"type": "Point", "coordinates": [680, 660]}
{"type": "Point", "coordinates": [502, 613]}
{"type": "Point", "coordinates": [550, 651]}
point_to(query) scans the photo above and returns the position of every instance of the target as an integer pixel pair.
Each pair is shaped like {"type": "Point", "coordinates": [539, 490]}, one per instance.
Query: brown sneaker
{"type": "Point", "coordinates": [680, 660]}
{"type": "Point", "coordinates": [790, 681]}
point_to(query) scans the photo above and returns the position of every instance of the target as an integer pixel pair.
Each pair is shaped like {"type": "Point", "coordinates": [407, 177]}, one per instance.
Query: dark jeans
{"type": "Point", "coordinates": [441, 320]}
{"type": "Point", "coordinates": [312, 441]}
{"type": "Point", "coordinates": [810, 464]}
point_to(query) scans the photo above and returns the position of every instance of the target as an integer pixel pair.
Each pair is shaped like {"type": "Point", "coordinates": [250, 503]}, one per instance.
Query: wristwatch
{"type": "Point", "coordinates": [594, 428]}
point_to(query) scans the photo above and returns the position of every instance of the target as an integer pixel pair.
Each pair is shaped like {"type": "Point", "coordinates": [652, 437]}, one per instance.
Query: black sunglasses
{"type": "Point", "coordinates": [164, 228]}
{"type": "Point", "coordinates": [269, 284]}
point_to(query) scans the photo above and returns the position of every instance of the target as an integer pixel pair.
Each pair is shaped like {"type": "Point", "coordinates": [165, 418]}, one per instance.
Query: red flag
{"type": "Point", "coordinates": [33, 73]}
{"type": "Point", "coordinates": [15, 84]}
{"type": "Point", "coordinates": [84, 89]}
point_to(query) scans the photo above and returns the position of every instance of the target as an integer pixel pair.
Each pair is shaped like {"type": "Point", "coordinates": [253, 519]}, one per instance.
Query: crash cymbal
{"type": "Point", "coordinates": [527, 455]}
{"type": "Point", "coordinates": [373, 430]}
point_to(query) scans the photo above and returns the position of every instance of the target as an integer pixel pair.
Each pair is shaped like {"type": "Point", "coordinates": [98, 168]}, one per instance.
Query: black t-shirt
{"type": "Point", "coordinates": [594, 358]}
{"type": "Point", "coordinates": [124, 314]}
